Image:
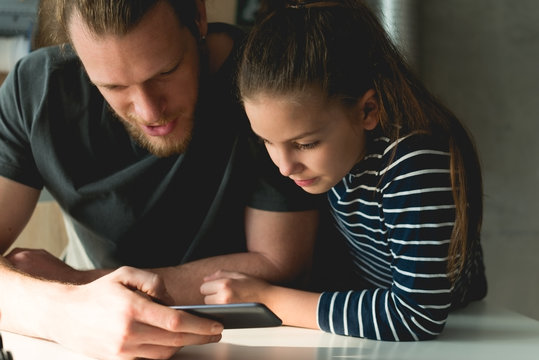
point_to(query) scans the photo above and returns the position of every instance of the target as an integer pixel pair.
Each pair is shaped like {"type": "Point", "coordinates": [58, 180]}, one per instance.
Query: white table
{"type": "Point", "coordinates": [481, 331]}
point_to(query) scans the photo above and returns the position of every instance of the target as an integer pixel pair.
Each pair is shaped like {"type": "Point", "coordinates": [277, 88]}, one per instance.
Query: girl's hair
{"type": "Point", "coordinates": [119, 16]}
{"type": "Point", "coordinates": [340, 48]}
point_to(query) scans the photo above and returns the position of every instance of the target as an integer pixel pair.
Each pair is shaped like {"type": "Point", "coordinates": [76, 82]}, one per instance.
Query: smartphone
{"type": "Point", "coordinates": [235, 316]}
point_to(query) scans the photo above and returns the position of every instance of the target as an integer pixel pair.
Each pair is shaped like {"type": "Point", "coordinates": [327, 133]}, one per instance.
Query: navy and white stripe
{"type": "Point", "coordinates": [396, 212]}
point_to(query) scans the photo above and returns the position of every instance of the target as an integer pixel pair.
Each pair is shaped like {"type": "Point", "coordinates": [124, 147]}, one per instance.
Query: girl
{"type": "Point", "coordinates": [340, 112]}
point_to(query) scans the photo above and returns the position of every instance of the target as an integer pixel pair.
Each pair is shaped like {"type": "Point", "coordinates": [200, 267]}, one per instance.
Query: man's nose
{"type": "Point", "coordinates": [148, 105]}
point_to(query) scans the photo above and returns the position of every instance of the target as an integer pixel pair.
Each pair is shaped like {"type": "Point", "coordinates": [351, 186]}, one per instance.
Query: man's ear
{"type": "Point", "coordinates": [370, 107]}
{"type": "Point", "coordinates": [202, 19]}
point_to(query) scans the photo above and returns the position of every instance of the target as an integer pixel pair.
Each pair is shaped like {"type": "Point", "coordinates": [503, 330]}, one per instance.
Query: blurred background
{"type": "Point", "coordinates": [481, 57]}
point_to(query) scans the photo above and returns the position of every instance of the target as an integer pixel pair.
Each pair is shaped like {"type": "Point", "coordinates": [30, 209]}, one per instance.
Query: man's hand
{"type": "Point", "coordinates": [115, 318]}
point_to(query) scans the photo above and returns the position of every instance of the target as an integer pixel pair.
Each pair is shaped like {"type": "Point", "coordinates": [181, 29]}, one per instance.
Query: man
{"type": "Point", "coordinates": [136, 132]}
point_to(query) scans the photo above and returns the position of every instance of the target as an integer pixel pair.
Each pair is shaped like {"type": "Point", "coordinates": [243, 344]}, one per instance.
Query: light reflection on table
{"type": "Point", "coordinates": [481, 331]}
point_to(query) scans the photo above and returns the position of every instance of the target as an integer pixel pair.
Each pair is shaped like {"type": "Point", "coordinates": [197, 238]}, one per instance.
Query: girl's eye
{"type": "Point", "coordinates": [113, 87]}
{"type": "Point", "coordinates": [296, 145]}
{"type": "Point", "coordinates": [306, 146]}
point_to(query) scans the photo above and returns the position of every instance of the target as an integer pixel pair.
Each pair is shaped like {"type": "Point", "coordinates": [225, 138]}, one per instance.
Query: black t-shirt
{"type": "Point", "coordinates": [56, 131]}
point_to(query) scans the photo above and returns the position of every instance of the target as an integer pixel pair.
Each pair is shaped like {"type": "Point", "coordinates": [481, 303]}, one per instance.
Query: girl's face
{"type": "Point", "coordinates": [313, 141]}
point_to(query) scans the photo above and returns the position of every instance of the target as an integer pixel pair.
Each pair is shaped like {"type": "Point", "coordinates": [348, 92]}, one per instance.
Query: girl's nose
{"type": "Point", "coordinates": [287, 164]}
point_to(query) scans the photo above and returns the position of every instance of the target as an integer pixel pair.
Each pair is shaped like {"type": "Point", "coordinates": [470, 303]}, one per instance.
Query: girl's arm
{"type": "Point", "coordinates": [412, 300]}
{"type": "Point", "coordinates": [294, 307]}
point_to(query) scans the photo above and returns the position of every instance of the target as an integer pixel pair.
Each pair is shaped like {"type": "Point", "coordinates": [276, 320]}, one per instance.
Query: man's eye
{"type": "Point", "coordinates": [170, 71]}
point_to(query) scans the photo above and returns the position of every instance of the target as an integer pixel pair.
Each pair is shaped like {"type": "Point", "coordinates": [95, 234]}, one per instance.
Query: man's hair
{"type": "Point", "coordinates": [117, 17]}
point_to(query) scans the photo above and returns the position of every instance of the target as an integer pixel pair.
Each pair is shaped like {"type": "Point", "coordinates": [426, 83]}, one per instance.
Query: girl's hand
{"type": "Point", "coordinates": [225, 287]}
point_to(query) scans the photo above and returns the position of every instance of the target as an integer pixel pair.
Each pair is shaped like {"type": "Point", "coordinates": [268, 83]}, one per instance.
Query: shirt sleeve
{"type": "Point", "coordinates": [418, 214]}
{"type": "Point", "coordinates": [16, 113]}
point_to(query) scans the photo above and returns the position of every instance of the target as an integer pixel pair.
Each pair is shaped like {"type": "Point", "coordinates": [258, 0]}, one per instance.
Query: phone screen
{"type": "Point", "coordinates": [235, 316]}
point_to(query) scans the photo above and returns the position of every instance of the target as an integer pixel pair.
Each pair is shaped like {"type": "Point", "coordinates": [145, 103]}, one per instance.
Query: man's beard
{"type": "Point", "coordinates": [167, 145]}
{"type": "Point", "coordinates": [160, 146]}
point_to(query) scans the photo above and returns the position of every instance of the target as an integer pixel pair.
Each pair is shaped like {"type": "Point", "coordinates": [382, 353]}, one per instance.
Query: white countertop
{"type": "Point", "coordinates": [480, 331]}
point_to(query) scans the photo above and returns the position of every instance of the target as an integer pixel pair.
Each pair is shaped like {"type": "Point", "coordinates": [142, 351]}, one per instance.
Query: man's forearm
{"type": "Point", "coordinates": [40, 263]}
{"type": "Point", "coordinates": [279, 251]}
{"type": "Point", "coordinates": [23, 305]}
{"type": "Point", "coordinates": [183, 282]}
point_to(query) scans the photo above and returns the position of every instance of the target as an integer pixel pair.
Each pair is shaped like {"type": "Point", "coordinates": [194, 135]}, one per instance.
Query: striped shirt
{"type": "Point", "coordinates": [396, 212]}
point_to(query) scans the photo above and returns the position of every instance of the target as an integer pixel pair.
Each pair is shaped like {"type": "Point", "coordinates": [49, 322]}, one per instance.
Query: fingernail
{"type": "Point", "coordinates": [215, 338]}
{"type": "Point", "coordinates": [216, 328]}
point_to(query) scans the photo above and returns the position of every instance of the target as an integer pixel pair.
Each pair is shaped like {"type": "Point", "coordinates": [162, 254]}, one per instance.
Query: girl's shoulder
{"type": "Point", "coordinates": [412, 153]}
{"type": "Point", "coordinates": [414, 142]}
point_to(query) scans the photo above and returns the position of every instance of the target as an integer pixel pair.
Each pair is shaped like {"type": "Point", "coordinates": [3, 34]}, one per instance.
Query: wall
{"type": "Point", "coordinates": [482, 58]}
{"type": "Point", "coordinates": [221, 10]}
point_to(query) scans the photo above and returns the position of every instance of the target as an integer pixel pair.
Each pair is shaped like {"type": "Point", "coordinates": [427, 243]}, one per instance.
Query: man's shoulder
{"type": "Point", "coordinates": [49, 64]}
{"type": "Point", "coordinates": [52, 57]}
{"type": "Point", "coordinates": [223, 42]}
{"type": "Point", "coordinates": [54, 71]}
